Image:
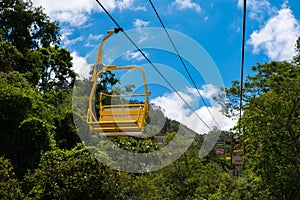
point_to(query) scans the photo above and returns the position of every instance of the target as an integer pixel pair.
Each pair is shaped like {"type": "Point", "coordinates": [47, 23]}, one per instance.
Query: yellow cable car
{"type": "Point", "coordinates": [117, 119]}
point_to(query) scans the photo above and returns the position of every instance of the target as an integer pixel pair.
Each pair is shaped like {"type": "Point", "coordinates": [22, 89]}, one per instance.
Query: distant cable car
{"type": "Point", "coordinates": [220, 152]}
{"type": "Point", "coordinates": [220, 149]}
{"type": "Point", "coordinates": [116, 119]}
{"type": "Point", "coordinates": [238, 156]}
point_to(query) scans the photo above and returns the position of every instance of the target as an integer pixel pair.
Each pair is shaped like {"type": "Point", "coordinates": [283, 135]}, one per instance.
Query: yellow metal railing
{"type": "Point", "coordinates": [114, 117]}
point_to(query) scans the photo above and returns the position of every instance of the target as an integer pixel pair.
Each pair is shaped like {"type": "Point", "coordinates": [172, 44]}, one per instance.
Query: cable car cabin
{"type": "Point", "coordinates": [119, 118]}
{"type": "Point", "coordinates": [220, 152]}
{"type": "Point", "coordinates": [238, 156]}
{"type": "Point", "coordinates": [220, 149]}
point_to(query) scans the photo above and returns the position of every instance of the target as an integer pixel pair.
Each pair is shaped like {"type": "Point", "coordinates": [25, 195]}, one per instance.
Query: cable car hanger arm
{"type": "Point", "coordinates": [100, 50]}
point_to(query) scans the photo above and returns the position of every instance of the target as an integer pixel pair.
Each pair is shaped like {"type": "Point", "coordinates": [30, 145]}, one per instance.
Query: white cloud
{"type": "Point", "coordinates": [65, 37]}
{"type": "Point", "coordinates": [141, 8]}
{"type": "Point", "coordinates": [186, 4]}
{"type": "Point", "coordinates": [91, 40]}
{"type": "Point", "coordinates": [251, 4]}
{"type": "Point", "coordinates": [192, 121]}
{"type": "Point", "coordinates": [71, 17]}
{"type": "Point", "coordinates": [131, 55]}
{"type": "Point", "coordinates": [277, 38]}
{"type": "Point", "coordinates": [207, 91]}
{"type": "Point", "coordinates": [138, 23]}
{"type": "Point", "coordinates": [171, 104]}
{"type": "Point", "coordinates": [65, 33]}
{"type": "Point", "coordinates": [68, 42]}
{"type": "Point", "coordinates": [76, 12]}
{"type": "Point", "coordinates": [66, 5]}
{"type": "Point", "coordinates": [124, 4]}
{"type": "Point", "coordinates": [176, 109]}
{"type": "Point", "coordinates": [258, 9]}
{"type": "Point", "coordinates": [80, 65]}
{"type": "Point", "coordinates": [143, 35]}
{"type": "Point", "coordinates": [240, 3]}
{"type": "Point", "coordinates": [94, 37]}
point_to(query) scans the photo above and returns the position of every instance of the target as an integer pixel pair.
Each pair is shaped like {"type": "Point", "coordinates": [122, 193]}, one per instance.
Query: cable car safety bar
{"type": "Point", "coordinates": [119, 119]}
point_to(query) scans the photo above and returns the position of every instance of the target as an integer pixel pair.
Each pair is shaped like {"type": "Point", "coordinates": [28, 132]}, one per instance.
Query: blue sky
{"type": "Point", "coordinates": [271, 31]}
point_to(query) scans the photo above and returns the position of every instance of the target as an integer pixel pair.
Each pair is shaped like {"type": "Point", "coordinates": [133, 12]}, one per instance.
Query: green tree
{"type": "Point", "coordinates": [56, 69]}
{"type": "Point", "coordinates": [10, 187]}
{"type": "Point", "coordinates": [65, 133]}
{"type": "Point", "coordinates": [26, 26]}
{"type": "Point", "coordinates": [73, 174]}
{"type": "Point", "coordinates": [31, 45]}
{"type": "Point", "coordinates": [271, 125]}
{"type": "Point", "coordinates": [25, 124]}
{"type": "Point", "coordinates": [272, 135]}
{"type": "Point", "coordinates": [48, 67]}
{"type": "Point", "coordinates": [296, 59]}
{"type": "Point", "coordinates": [11, 59]}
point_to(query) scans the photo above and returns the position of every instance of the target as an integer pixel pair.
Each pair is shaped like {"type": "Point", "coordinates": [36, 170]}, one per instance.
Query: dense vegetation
{"type": "Point", "coordinates": [42, 157]}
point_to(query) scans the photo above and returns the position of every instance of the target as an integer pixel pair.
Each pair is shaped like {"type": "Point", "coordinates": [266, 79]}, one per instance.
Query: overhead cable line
{"type": "Point", "coordinates": [242, 60]}
{"type": "Point", "coordinates": [182, 62]}
{"type": "Point", "coordinates": [149, 61]}
{"type": "Point", "coordinates": [241, 84]}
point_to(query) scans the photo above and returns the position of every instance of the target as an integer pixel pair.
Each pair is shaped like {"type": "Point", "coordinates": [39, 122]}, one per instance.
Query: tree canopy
{"type": "Point", "coordinates": [25, 26]}
{"type": "Point", "coordinates": [271, 121]}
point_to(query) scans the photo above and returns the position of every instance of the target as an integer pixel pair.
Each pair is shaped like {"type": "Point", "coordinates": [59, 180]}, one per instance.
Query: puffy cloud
{"type": "Point", "coordinates": [176, 109]}
{"type": "Point", "coordinates": [76, 12]}
{"type": "Point", "coordinates": [124, 4]}
{"type": "Point", "coordinates": [71, 17]}
{"type": "Point", "coordinates": [73, 12]}
{"type": "Point", "coordinates": [134, 55]}
{"type": "Point", "coordinates": [80, 65]}
{"type": "Point", "coordinates": [207, 91]}
{"type": "Point", "coordinates": [209, 116]}
{"type": "Point", "coordinates": [258, 9]}
{"type": "Point", "coordinates": [138, 23]}
{"type": "Point", "coordinates": [65, 33]}
{"type": "Point", "coordinates": [92, 40]}
{"type": "Point", "coordinates": [94, 37]}
{"type": "Point", "coordinates": [186, 4]}
{"type": "Point", "coordinates": [278, 37]}
{"type": "Point", "coordinates": [68, 42]}
{"type": "Point", "coordinates": [173, 105]}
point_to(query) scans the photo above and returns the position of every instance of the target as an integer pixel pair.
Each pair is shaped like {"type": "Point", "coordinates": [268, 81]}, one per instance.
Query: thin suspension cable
{"type": "Point", "coordinates": [181, 60]}
{"type": "Point", "coordinates": [243, 59]}
{"type": "Point", "coordinates": [100, 4]}
{"type": "Point", "coordinates": [149, 61]}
